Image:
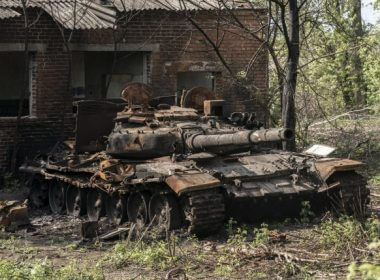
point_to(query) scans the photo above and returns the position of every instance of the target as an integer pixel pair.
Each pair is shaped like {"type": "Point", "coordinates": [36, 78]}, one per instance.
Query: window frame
{"type": "Point", "coordinates": [31, 81]}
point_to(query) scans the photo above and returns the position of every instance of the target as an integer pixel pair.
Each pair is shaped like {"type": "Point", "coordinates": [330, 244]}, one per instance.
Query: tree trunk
{"type": "Point", "coordinates": [352, 82]}
{"type": "Point", "coordinates": [288, 96]}
{"type": "Point", "coordinates": [359, 94]}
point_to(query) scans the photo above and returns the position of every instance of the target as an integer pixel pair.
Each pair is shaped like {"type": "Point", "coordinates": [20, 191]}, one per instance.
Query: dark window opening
{"type": "Point", "coordinates": [96, 76]}
{"type": "Point", "coordinates": [189, 80]}
{"type": "Point", "coordinates": [12, 69]}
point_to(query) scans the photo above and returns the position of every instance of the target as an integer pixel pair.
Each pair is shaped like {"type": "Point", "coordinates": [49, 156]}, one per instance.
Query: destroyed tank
{"type": "Point", "coordinates": [174, 167]}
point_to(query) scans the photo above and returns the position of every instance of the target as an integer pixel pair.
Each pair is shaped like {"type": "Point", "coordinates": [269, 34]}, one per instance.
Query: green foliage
{"type": "Point", "coordinates": [261, 235]}
{"type": "Point", "coordinates": [239, 238]}
{"type": "Point", "coordinates": [375, 180]}
{"type": "Point", "coordinates": [376, 4]}
{"type": "Point", "coordinates": [15, 245]}
{"type": "Point", "coordinates": [371, 58]}
{"type": "Point", "coordinates": [154, 255]}
{"type": "Point", "coordinates": [9, 243]}
{"type": "Point", "coordinates": [339, 64]}
{"type": "Point", "coordinates": [338, 233]}
{"type": "Point", "coordinates": [367, 271]}
{"type": "Point", "coordinates": [230, 227]}
{"type": "Point", "coordinates": [346, 231]}
{"type": "Point", "coordinates": [229, 260]}
{"type": "Point", "coordinates": [226, 264]}
{"type": "Point", "coordinates": [306, 214]}
{"type": "Point", "coordinates": [372, 228]}
{"type": "Point", "coordinates": [13, 270]}
{"type": "Point", "coordinates": [290, 270]}
{"type": "Point", "coordinates": [238, 235]}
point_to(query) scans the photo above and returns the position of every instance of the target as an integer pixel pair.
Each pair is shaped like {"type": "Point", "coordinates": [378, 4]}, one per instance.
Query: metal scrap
{"type": "Point", "coordinates": [13, 214]}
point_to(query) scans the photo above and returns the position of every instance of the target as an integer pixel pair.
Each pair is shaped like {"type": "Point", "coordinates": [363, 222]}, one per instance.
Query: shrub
{"type": "Point", "coordinates": [347, 230]}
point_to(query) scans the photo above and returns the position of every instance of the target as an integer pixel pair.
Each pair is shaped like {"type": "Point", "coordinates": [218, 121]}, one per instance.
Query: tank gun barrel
{"type": "Point", "coordinates": [198, 142]}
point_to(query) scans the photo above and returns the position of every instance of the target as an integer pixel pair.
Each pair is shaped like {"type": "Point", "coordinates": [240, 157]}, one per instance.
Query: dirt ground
{"type": "Point", "coordinates": [291, 250]}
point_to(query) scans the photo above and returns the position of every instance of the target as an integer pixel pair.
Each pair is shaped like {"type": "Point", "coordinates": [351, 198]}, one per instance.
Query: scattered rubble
{"type": "Point", "coordinates": [13, 214]}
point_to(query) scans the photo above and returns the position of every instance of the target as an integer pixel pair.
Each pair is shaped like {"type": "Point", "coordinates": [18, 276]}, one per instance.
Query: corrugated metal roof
{"type": "Point", "coordinates": [72, 14]}
{"type": "Point", "coordinates": [178, 5]}
{"type": "Point", "coordinates": [8, 13]}
{"type": "Point", "coordinates": [87, 14]}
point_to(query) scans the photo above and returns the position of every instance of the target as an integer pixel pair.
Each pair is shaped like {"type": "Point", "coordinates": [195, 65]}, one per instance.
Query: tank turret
{"type": "Point", "coordinates": [147, 134]}
{"type": "Point", "coordinates": [143, 132]}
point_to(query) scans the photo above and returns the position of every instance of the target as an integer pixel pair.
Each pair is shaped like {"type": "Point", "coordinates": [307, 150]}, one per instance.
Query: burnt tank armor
{"type": "Point", "coordinates": [173, 167]}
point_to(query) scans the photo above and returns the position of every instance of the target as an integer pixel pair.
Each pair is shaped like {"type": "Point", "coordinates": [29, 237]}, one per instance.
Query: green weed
{"type": "Point", "coordinates": [306, 214]}
{"type": "Point", "coordinates": [238, 237]}
{"type": "Point", "coordinates": [10, 243]}
{"type": "Point", "coordinates": [257, 275]}
{"type": "Point", "coordinates": [347, 230]}
{"type": "Point", "coordinates": [261, 235]}
{"type": "Point", "coordinates": [16, 245]}
{"type": "Point", "coordinates": [365, 271]}
{"type": "Point", "coordinates": [227, 263]}
{"type": "Point", "coordinates": [368, 271]}
{"type": "Point", "coordinates": [375, 180]}
{"type": "Point", "coordinates": [154, 255]}
{"type": "Point", "coordinates": [230, 227]}
{"type": "Point", "coordinates": [12, 270]}
{"type": "Point", "coordinates": [295, 271]}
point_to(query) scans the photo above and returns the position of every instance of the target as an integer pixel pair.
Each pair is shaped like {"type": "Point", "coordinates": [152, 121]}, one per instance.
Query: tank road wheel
{"type": "Point", "coordinates": [75, 201]}
{"type": "Point", "coordinates": [95, 204]}
{"type": "Point", "coordinates": [137, 208]}
{"type": "Point", "coordinates": [164, 211]}
{"type": "Point", "coordinates": [57, 191]}
{"type": "Point", "coordinates": [116, 208]}
{"type": "Point", "coordinates": [38, 193]}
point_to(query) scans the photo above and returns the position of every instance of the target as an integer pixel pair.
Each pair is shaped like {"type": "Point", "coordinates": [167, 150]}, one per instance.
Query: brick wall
{"type": "Point", "coordinates": [181, 48]}
{"type": "Point", "coordinates": [51, 118]}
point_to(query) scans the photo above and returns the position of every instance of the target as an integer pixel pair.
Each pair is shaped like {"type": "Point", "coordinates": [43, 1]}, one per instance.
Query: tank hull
{"type": "Point", "coordinates": [207, 191]}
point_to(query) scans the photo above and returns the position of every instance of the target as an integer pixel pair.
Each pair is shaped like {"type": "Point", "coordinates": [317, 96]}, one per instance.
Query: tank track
{"type": "Point", "coordinates": [204, 211]}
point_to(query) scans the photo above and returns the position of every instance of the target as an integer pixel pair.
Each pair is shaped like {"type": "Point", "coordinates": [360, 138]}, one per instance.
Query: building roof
{"type": "Point", "coordinates": [7, 13]}
{"type": "Point", "coordinates": [178, 5]}
{"type": "Point", "coordinates": [90, 14]}
{"type": "Point", "coordinates": [71, 14]}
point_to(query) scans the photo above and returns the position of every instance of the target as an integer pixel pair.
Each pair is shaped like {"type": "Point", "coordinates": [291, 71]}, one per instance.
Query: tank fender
{"type": "Point", "coordinates": [326, 167]}
{"type": "Point", "coordinates": [183, 182]}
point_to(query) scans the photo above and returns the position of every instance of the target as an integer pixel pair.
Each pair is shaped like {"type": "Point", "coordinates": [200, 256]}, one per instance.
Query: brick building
{"type": "Point", "coordinates": [156, 44]}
